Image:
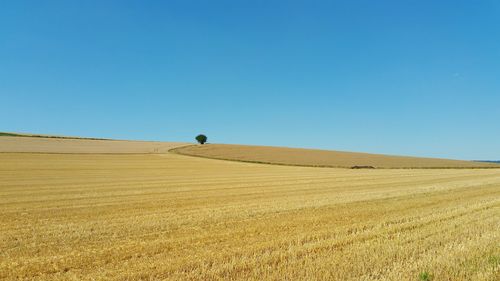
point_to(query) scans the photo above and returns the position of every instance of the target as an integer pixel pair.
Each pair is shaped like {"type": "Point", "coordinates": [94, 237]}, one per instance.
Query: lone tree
{"type": "Point", "coordinates": [201, 139]}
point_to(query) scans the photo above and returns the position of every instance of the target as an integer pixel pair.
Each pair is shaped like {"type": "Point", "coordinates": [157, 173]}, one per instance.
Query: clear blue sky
{"type": "Point", "coordinates": [415, 77]}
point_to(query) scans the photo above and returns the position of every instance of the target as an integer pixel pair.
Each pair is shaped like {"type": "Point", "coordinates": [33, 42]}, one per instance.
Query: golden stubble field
{"type": "Point", "coordinates": [173, 217]}
{"type": "Point", "coordinates": [319, 158]}
{"type": "Point", "coordinates": [55, 145]}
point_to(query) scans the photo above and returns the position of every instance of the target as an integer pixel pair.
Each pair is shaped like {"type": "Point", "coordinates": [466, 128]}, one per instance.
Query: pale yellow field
{"type": "Point", "coordinates": [173, 217]}
{"type": "Point", "coordinates": [321, 158]}
{"type": "Point", "coordinates": [53, 145]}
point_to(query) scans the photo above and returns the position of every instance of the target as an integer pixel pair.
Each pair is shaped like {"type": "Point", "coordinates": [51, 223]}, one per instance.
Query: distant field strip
{"type": "Point", "coordinates": [172, 217]}
{"type": "Point", "coordinates": [68, 145]}
{"type": "Point", "coordinates": [319, 158]}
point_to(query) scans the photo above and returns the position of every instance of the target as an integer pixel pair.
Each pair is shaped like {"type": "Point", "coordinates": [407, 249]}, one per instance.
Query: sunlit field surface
{"type": "Point", "coordinates": [319, 158]}
{"type": "Point", "coordinates": [174, 217]}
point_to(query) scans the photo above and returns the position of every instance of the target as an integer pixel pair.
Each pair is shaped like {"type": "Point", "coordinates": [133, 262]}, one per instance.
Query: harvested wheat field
{"type": "Point", "coordinates": [319, 158]}
{"type": "Point", "coordinates": [174, 217]}
{"type": "Point", "coordinates": [52, 144]}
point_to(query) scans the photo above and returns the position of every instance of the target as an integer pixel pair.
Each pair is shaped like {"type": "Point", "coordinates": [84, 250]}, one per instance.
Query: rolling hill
{"type": "Point", "coordinates": [29, 143]}
{"type": "Point", "coordinates": [319, 158]}
{"type": "Point", "coordinates": [89, 209]}
{"type": "Point", "coordinates": [57, 144]}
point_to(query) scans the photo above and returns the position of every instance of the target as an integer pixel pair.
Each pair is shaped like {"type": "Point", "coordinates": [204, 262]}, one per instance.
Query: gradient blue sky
{"type": "Point", "coordinates": [398, 77]}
